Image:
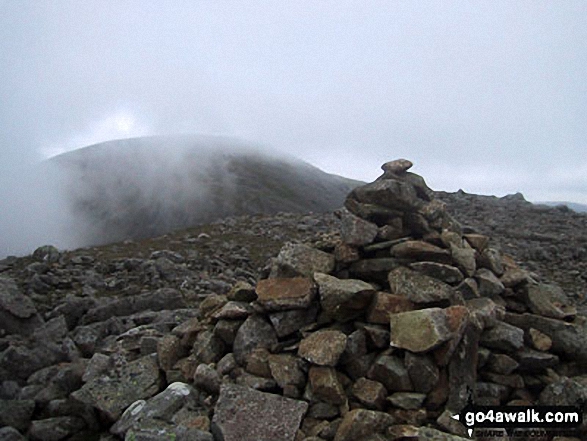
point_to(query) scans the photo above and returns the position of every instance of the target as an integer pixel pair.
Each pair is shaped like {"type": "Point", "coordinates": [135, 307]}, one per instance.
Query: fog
{"type": "Point", "coordinates": [487, 96]}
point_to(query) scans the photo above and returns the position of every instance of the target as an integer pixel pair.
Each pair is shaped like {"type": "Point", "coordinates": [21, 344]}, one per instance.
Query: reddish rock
{"type": "Point", "coordinates": [284, 294]}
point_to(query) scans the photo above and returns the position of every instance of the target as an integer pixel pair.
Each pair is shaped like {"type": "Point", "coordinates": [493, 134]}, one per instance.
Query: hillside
{"type": "Point", "coordinates": [144, 187]}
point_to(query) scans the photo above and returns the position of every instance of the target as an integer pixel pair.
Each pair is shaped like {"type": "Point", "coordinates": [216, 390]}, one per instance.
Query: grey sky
{"type": "Point", "coordinates": [488, 96]}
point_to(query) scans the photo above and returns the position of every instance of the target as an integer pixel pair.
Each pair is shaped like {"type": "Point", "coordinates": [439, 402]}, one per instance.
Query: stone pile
{"type": "Point", "coordinates": [382, 334]}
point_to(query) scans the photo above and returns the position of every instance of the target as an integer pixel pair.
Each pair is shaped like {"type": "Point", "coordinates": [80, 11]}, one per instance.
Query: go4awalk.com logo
{"type": "Point", "coordinates": [560, 418]}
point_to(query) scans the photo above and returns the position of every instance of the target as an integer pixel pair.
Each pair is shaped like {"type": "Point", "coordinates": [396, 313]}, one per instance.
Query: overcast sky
{"type": "Point", "coordinates": [487, 96]}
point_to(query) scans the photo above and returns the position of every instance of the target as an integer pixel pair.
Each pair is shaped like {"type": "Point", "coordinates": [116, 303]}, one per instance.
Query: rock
{"type": "Point", "coordinates": [384, 304]}
{"type": "Point", "coordinates": [374, 269]}
{"type": "Point", "coordinates": [419, 331]}
{"type": "Point", "coordinates": [397, 167]}
{"type": "Point", "coordinates": [360, 423]}
{"type": "Point", "coordinates": [301, 260]}
{"type": "Point", "coordinates": [343, 299]}
{"type": "Point", "coordinates": [208, 348]}
{"type": "Point", "coordinates": [462, 369]}
{"type": "Point", "coordinates": [286, 370]}
{"type": "Point", "coordinates": [407, 400]}
{"type": "Point", "coordinates": [514, 277]}
{"type": "Point", "coordinates": [422, 370]}
{"type": "Point", "coordinates": [207, 379]}
{"type": "Point", "coordinates": [564, 392]}
{"type": "Point", "coordinates": [242, 292]}
{"type": "Point", "coordinates": [477, 241]}
{"type": "Point", "coordinates": [568, 339]}
{"type": "Point", "coordinates": [485, 312]}
{"type": "Point", "coordinates": [504, 337]}
{"type": "Point", "coordinates": [164, 298]}
{"type": "Point", "coordinates": [445, 273]}
{"type": "Point", "coordinates": [288, 322]}
{"type": "Point", "coordinates": [112, 394]}
{"type": "Point", "coordinates": [232, 310]}
{"type": "Point", "coordinates": [226, 330]}
{"type": "Point", "coordinates": [539, 340]}
{"type": "Point", "coordinates": [390, 371]}
{"type": "Point", "coordinates": [369, 393]}
{"type": "Point", "coordinates": [418, 288]}
{"type": "Point", "coordinates": [55, 429]}
{"type": "Point", "coordinates": [468, 289]}
{"type": "Point", "coordinates": [490, 258]}
{"type": "Point", "coordinates": [325, 385]}
{"type": "Point", "coordinates": [243, 414]}
{"type": "Point", "coordinates": [18, 314]}
{"type": "Point", "coordinates": [284, 294]}
{"type": "Point", "coordinates": [501, 364]}
{"type": "Point", "coordinates": [16, 413]}
{"type": "Point", "coordinates": [10, 434]}
{"type": "Point", "coordinates": [464, 258]}
{"type": "Point", "coordinates": [356, 231]}
{"type": "Point", "coordinates": [169, 351]}
{"type": "Point", "coordinates": [395, 194]}
{"type": "Point", "coordinates": [47, 253]}
{"type": "Point", "coordinates": [489, 284]}
{"type": "Point", "coordinates": [420, 250]}
{"type": "Point", "coordinates": [535, 361]}
{"type": "Point", "coordinates": [255, 332]}
{"type": "Point", "coordinates": [167, 413]}
{"type": "Point", "coordinates": [550, 301]}
{"type": "Point", "coordinates": [323, 347]}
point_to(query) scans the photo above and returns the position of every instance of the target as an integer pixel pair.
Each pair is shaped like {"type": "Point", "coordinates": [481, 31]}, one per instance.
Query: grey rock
{"type": "Point", "coordinates": [419, 331]}
{"type": "Point", "coordinates": [226, 330]}
{"type": "Point", "coordinates": [16, 413]}
{"type": "Point", "coordinates": [325, 385]}
{"type": "Point", "coordinates": [343, 299]}
{"type": "Point", "coordinates": [255, 332]}
{"type": "Point", "coordinates": [301, 260]}
{"type": "Point", "coordinates": [390, 371]}
{"type": "Point", "coordinates": [564, 392]}
{"type": "Point", "coordinates": [462, 369]}
{"type": "Point", "coordinates": [490, 258]}
{"type": "Point", "coordinates": [464, 258]}
{"type": "Point", "coordinates": [161, 299]}
{"type": "Point", "coordinates": [550, 301]}
{"type": "Point", "coordinates": [395, 194]}
{"type": "Point", "coordinates": [445, 273]}
{"type": "Point", "coordinates": [243, 414]}
{"type": "Point", "coordinates": [287, 370]}
{"type": "Point", "coordinates": [489, 284]}
{"type": "Point", "coordinates": [535, 361]}
{"type": "Point", "coordinates": [422, 370]}
{"type": "Point", "coordinates": [323, 347]}
{"type": "Point", "coordinates": [207, 379]}
{"type": "Point", "coordinates": [18, 314]}
{"type": "Point", "coordinates": [47, 254]}
{"type": "Point", "coordinates": [568, 339]}
{"type": "Point", "coordinates": [356, 231]}
{"type": "Point", "coordinates": [162, 406]}
{"type": "Point", "coordinates": [358, 424]}
{"type": "Point", "coordinates": [10, 434]}
{"type": "Point", "coordinates": [288, 322]}
{"type": "Point", "coordinates": [407, 400]}
{"type": "Point", "coordinates": [417, 287]}
{"type": "Point", "coordinates": [112, 394]}
{"type": "Point", "coordinates": [374, 269]}
{"type": "Point", "coordinates": [504, 337]}
{"type": "Point", "coordinates": [55, 429]}
{"type": "Point", "coordinates": [208, 348]}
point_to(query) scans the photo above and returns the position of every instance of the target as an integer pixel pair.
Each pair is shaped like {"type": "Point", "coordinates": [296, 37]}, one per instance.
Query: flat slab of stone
{"type": "Point", "coordinates": [323, 348]}
{"type": "Point", "coordinates": [417, 287]}
{"type": "Point", "coordinates": [343, 299]}
{"type": "Point", "coordinates": [419, 331]}
{"type": "Point", "coordinates": [111, 395]}
{"type": "Point", "coordinates": [301, 260]}
{"type": "Point", "coordinates": [244, 414]}
{"type": "Point", "coordinates": [284, 294]}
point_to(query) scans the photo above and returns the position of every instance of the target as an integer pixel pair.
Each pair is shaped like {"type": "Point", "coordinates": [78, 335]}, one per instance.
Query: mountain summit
{"type": "Point", "coordinates": [144, 187]}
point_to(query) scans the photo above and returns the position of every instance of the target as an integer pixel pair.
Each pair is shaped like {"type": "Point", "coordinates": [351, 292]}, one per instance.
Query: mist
{"type": "Point", "coordinates": [487, 96]}
{"type": "Point", "coordinates": [135, 188]}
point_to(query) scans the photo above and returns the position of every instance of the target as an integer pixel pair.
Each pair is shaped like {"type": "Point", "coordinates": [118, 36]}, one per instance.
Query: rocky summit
{"type": "Point", "coordinates": [381, 327]}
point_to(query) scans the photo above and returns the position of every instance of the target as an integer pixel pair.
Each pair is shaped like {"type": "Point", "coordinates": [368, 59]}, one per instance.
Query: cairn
{"type": "Point", "coordinates": [382, 333]}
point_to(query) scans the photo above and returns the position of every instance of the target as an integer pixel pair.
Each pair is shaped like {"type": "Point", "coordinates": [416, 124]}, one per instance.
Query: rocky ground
{"type": "Point", "coordinates": [169, 338]}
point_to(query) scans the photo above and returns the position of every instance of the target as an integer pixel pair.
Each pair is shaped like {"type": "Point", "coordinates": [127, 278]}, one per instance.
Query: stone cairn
{"type": "Point", "coordinates": [382, 334]}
